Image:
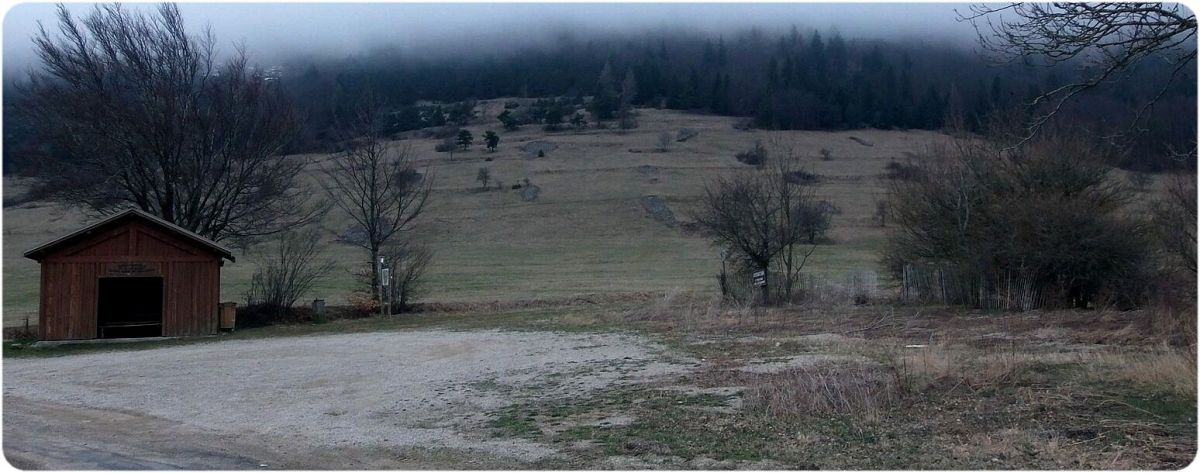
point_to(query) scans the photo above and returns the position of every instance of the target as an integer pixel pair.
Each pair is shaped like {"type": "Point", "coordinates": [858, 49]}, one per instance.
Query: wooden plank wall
{"type": "Point", "coordinates": [70, 276]}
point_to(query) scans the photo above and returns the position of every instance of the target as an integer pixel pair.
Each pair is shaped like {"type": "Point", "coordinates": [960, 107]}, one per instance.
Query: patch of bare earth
{"type": "Point", "coordinates": [391, 396]}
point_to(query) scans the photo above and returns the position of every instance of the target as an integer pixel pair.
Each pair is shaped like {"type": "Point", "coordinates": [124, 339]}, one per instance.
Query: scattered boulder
{"type": "Point", "coordinates": [658, 209]}
{"type": "Point", "coordinates": [530, 193]}
{"type": "Point", "coordinates": [685, 134]}
{"type": "Point", "coordinates": [861, 141]}
{"type": "Point", "coordinates": [539, 149]}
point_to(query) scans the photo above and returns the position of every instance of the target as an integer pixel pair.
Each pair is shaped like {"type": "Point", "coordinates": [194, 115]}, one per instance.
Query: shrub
{"type": "Point", "coordinates": [1048, 211]}
{"type": "Point", "coordinates": [409, 261]}
{"type": "Point", "coordinates": [578, 122]}
{"type": "Point", "coordinates": [902, 171]}
{"type": "Point", "coordinates": [756, 156]}
{"type": "Point", "coordinates": [801, 176]}
{"type": "Point", "coordinates": [744, 124]}
{"type": "Point", "coordinates": [286, 273]}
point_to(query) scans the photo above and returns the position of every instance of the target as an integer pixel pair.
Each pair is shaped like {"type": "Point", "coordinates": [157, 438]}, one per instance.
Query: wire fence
{"type": "Point", "coordinates": [851, 287]}
{"type": "Point", "coordinates": [1010, 290]}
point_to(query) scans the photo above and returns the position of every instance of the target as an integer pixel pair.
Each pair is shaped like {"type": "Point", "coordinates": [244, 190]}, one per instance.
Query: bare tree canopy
{"type": "Point", "coordinates": [149, 119]}
{"type": "Point", "coordinates": [763, 218]}
{"type": "Point", "coordinates": [1109, 37]}
{"type": "Point", "coordinates": [377, 186]}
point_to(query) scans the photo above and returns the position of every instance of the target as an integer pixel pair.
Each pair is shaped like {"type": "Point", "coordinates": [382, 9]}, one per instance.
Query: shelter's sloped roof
{"type": "Point", "coordinates": [41, 251]}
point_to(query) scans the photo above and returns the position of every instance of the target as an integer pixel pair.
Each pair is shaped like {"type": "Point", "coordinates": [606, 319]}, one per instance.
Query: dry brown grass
{"type": "Point", "coordinates": [859, 392]}
{"type": "Point", "coordinates": [1052, 452]}
{"type": "Point", "coordinates": [973, 367]}
{"type": "Point", "coordinates": [1164, 368]}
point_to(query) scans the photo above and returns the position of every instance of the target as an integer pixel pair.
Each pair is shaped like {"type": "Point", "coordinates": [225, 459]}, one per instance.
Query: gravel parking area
{"type": "Point", "coordinates": [381, 392]}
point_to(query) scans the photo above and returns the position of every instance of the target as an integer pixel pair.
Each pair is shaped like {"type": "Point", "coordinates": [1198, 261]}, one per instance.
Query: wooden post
{"type": "Point", "coordinates": [318, 307]}
{"type": "Point", "coordinates": [766, 292]}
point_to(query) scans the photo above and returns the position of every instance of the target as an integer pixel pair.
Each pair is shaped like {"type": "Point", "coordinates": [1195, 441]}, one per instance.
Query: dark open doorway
{"type": "Point", "coordinates": [130, 307]}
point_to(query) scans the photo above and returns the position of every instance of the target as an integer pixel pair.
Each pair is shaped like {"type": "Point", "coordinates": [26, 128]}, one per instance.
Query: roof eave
{"type": "Point", "coordinates": [39, 251]}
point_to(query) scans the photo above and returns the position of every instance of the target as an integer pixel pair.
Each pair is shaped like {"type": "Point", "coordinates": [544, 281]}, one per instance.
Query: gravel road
{"type": "Point", "coordinates": [289, 402]}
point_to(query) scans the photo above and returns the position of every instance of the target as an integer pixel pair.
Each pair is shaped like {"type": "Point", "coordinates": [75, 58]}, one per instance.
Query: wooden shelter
{"type": "Point", "coordinates": [131, 275]}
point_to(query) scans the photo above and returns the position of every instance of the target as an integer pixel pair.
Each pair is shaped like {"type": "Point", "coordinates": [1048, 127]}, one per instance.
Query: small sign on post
{"type": "Point", "coordinates": [760, 278]}
{"type": "Point", "coordinates": [382, 302]}
{"type": "Point", "coordinates": [386, 277]}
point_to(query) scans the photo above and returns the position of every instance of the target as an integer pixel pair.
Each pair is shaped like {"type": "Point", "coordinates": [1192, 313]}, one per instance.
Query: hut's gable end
{"type": "Point", "coordinates": [154, 243]}
{"type": "Point", "coordinates": [114, 242]}
{"type": "Point", "coordinates": [131, 239]}
{"type": "Point", "coordinates": [131, 234]}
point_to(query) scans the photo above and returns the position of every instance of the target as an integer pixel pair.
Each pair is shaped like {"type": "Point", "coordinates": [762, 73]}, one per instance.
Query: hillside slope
{"type": "Point", "coordinates": [587, 232]}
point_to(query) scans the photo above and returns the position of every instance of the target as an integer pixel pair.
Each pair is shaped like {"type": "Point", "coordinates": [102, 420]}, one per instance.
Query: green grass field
{"type": "Point", "coordinates": [586, 233]}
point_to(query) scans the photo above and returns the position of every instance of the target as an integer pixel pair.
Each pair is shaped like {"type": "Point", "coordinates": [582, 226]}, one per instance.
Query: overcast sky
{"type": "Point", "coordinates": [273, 30]}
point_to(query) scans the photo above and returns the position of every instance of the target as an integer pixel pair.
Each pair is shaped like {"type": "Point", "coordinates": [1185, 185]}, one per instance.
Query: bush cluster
{"type": "Point", "coordinates": [1049, 209]}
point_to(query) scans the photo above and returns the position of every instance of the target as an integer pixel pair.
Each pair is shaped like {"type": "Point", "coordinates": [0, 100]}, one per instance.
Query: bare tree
{"type": "Point", "coordinates": [149, 119]}
{"type": "Point", "coordinates": [760, 217]}
{"type": "Point", "coordinates": [1175, 213]}
{"type": "Point", "coordinates": [377, 186]}
{"type": "Point", "coordinates": [1110, 37]}
{"type": "Point", "coordinates": [483, 176]}
{"type": "Point", "coordinates": [664, 142]}
{"type": "Point", "coordinates": [288, 270]}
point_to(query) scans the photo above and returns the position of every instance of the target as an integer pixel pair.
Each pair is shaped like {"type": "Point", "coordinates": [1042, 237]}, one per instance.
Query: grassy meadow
{"type": "Point", "coordinates": [586, 233]}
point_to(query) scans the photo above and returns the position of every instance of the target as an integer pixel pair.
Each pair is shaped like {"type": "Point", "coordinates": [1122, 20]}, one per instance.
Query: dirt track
{"type": "Point", "coordinates": [376, 400]}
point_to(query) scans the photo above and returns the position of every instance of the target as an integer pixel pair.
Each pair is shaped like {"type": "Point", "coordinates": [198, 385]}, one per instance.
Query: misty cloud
{"type": "Point", "coordinates": [274, 32]}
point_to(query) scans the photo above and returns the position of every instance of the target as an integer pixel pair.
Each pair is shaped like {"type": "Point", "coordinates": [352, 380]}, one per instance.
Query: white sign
{"type": "Point", "coordinates": [760, 278]}
{"type": "Point", "coordinates": [386, 277]}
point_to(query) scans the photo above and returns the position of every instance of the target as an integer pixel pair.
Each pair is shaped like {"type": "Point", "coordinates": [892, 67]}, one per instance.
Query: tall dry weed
{"type": "Point", "coordinates": [861, 393]}
{"type": "Point", "coordinates": [1169, 369]}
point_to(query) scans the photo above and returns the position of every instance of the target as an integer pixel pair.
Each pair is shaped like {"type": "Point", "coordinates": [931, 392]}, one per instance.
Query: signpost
{"type": "Point", "coordinates": [379, 271]}
{"type": "Point", "coordinates": [385, 281]}
{"type": "Point", "coordinates": [760, 280]}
